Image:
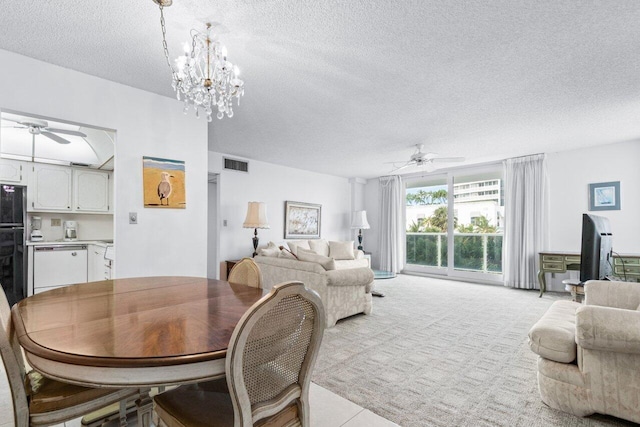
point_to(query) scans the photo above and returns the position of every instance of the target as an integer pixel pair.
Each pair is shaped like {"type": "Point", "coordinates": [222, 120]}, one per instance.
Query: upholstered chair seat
{"type": "Point", "coordinates": [589, 354]}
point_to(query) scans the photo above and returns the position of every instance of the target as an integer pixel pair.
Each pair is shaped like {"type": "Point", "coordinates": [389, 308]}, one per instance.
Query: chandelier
{"type": "Point", "coordinates": [202, 77]}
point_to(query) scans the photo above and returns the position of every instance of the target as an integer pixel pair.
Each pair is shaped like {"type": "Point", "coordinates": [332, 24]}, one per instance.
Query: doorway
{"type": "Point", "coordinates": [212, 226]}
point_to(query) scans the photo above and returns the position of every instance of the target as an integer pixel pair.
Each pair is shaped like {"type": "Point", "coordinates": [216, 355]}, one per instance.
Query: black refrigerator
{"type": "Point", "coordinates": [12, 242]}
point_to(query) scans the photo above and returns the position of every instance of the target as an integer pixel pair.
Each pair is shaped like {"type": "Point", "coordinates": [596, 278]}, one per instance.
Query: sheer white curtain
{"type": "Point", "coordinates": [391, 242]}
{"type": "Point", "coordinates": [525, 202]}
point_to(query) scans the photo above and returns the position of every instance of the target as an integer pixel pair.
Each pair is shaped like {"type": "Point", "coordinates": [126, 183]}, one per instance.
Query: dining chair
{"type": "Point", "coordinates": [246, 272]}
{"type": "Point", "coordinates": [270, 357]}
{"type": "Point", "coordinates": [41, 401]}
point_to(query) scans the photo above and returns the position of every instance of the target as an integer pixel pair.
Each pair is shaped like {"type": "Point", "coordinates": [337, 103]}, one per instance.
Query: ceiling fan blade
{"type": "Point", "coordinates": [67, 132]}
{"type": "Point", "coordinates": [406, 165]}
{"type": "Point", "coordinates": [56, 138]}
{"type": "Point", "coordinates": [447, 159]}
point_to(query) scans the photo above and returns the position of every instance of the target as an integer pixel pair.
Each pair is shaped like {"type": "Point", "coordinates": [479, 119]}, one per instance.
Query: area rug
{"type": "Point", "coordinates": [444, 353]}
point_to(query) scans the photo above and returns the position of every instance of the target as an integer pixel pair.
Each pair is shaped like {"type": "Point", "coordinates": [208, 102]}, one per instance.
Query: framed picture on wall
{"type": "Point", "coordinates": [302, 220]}
{"type": "Point", "coordinates": [163, 183]}
{"type": "Point", "coordinates": [604, 196]}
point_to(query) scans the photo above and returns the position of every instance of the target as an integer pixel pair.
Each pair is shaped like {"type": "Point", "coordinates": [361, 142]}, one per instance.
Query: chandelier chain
{"type": "Point", "coordinates": [164, 40]}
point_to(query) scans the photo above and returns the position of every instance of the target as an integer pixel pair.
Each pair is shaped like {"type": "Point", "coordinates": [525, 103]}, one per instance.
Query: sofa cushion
{"type": "Point", "coordinates": [294, 245]}
{"type": "Point", "coordinates": [319, 246]}
{"type": "Point", "coordinates": [344, 264]}
{"type": "Point", "coordinates": [553, 336]}
{"type": "Point", "coordinates": [341, 250]}
{"type": "Point", "coordinates": [326, 262]}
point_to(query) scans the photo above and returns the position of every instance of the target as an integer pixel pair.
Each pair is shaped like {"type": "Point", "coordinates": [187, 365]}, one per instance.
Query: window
{"type": "Point", "coordinates": [459, 236]}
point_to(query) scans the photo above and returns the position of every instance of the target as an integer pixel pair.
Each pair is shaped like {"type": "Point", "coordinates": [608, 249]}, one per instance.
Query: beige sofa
{"type": "Point", "coordinates": [344, 285]}
{"type": "Point", "coordinates": [589, 354]}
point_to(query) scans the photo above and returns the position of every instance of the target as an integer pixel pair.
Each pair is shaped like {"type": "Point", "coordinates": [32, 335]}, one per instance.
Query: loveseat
{"type": "Point", "coordinates": [344, 285]}
{"type": "Point", "coordinates": [589, 354]}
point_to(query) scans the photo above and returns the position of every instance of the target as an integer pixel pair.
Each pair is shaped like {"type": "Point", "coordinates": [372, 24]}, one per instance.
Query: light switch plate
{"type": "Point", "coordinates": [56, 222]}
{"type": "Point", "coordinates": [133, 217]}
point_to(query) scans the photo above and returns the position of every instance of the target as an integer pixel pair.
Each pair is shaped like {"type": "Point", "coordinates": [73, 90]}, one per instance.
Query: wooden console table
{"type": "Point", "coordinates": [624, 265]}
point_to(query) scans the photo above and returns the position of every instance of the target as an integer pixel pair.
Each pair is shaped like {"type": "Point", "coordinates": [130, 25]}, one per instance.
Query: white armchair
{"type": "Point", "coordinates": [597, 368]}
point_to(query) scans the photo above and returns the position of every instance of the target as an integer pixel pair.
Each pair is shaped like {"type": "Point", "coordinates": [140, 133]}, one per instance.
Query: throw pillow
{"type": "Point", "coordinates": [326, 262]}
{"type": "Point", "coordinates": [319, 246]}
{"type": "Point", "coordinates": [294, 245]}
{"type": "Point", "coordinates": [341, 250]}
{"type": "Point", "coordinates": [271, 252]}
{"type": "Point", "coordinates": [286, 253]}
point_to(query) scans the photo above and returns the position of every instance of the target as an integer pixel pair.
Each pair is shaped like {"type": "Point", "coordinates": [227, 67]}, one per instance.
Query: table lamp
{"type": "Point", "coordinates": [360, 222]}
{"type": "Point", "coordinates": [256, 218]}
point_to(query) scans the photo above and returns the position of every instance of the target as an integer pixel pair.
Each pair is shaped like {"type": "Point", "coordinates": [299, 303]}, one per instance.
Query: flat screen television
{"type": "Point", "coordinates": [596, 252]}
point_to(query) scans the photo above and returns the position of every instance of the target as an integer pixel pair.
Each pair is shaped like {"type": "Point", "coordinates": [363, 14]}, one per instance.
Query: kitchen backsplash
{"type": "Point", "coordinates": [90, 226]}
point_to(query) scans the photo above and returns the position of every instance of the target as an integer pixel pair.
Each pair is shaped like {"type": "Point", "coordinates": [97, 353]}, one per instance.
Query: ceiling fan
{"type": "Point", "coordinates": [419, 158]}
{"type": "Point", "coordinates": [41, 127]}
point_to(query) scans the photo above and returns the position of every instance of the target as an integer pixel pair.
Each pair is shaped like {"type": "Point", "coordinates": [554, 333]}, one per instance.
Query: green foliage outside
{"type": "Point", "coordinates": [422, 197]}
{"type": "Point", "coordinates": [423, 250]}
{"type": "Point", "coordinates": [468, 250]}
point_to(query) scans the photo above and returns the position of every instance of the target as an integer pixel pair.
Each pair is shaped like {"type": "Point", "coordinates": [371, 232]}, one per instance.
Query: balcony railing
{"type": "Point", "coordinates": [472, 251]}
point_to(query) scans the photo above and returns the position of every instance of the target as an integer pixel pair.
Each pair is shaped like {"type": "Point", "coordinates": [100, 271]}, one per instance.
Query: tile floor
{"type": "Point", "coordinates": [327, 410]}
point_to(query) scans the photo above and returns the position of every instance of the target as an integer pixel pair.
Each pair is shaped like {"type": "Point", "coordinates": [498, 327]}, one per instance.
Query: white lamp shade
{"type": "Point", "coordinates": [360, 220]}
{"type": "Point", "coordinates": [256, 216]}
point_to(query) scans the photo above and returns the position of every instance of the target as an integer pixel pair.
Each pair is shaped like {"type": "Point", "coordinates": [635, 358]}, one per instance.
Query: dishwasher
{"type": "Point", "coordinates": [58, 265]}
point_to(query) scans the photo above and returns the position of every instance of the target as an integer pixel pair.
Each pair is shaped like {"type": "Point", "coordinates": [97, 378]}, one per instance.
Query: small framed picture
{"type": "Point", "coordinates": [604, 196]}
{"type": "Point", "coordinates": [163, 183]}
{"type": "Point", "coordinates": [302, 220]}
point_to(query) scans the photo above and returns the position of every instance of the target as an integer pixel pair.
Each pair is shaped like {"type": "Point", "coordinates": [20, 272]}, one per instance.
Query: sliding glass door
{"type": "Point", "coordinates": [454, 224]}
{"type": "Point", "coordinates": [426, 224]}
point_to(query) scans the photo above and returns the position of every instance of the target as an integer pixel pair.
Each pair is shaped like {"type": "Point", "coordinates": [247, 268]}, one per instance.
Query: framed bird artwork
{"type": "Point", "coordinates": [163, 183]}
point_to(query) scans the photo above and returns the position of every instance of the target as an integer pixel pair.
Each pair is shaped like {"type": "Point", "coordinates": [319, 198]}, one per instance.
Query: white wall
{"type": "Point", "coordinates": [571, 172]}
{"type": "Point", "coordinates": [165, 241]}
{"type": "Point", "coordinates": [274, 184]}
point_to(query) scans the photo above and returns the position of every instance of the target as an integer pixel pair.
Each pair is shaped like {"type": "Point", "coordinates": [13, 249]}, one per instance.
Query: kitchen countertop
{"type": "Point", "coordinates": [104, 243]}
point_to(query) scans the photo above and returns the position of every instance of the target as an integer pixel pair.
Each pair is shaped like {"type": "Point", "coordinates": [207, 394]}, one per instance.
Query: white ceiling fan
{"type": "Point", "coordinates": [41, 127]}
{"type": "Point", "coordinates": [419, 158]}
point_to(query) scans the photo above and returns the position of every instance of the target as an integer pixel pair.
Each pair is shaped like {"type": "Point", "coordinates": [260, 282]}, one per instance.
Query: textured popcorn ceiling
{"type": "Point", "coordinates": [342, 87]}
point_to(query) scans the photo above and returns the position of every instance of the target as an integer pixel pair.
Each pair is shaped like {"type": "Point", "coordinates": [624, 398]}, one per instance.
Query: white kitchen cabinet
{"type": "Point", "coordinates": [62, 188]}
{"type": "Point", "coordinates": [13, 171]}
{"type": "Point", "coordinates": [98, 265]}
{"type": "Point", "coordinates": [50, 188]}
{"type": "Point", "coordinates": [91, 190]}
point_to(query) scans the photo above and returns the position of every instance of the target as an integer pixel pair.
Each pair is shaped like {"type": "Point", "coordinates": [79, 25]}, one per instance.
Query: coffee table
{"type": "Point", "coordinates": [380, 274]}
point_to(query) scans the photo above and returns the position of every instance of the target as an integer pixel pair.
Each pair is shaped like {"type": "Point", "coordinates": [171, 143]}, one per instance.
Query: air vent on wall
{"type": "Point", "coordinates": [236, 165]}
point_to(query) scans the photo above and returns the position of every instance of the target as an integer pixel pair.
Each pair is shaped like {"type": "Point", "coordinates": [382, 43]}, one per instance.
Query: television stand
{"type": "Point", "coordinates": [625, 266]}
{"type": "Point", "coordinates": [556, 262]}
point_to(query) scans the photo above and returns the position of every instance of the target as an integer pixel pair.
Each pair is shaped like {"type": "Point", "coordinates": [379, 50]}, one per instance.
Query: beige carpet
{"type": "Point", "coordinates": [443, 353]}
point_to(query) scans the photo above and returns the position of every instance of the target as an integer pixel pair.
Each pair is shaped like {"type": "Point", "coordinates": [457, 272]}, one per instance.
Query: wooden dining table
{"type": "Point", "coordinates": [135, 332]}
